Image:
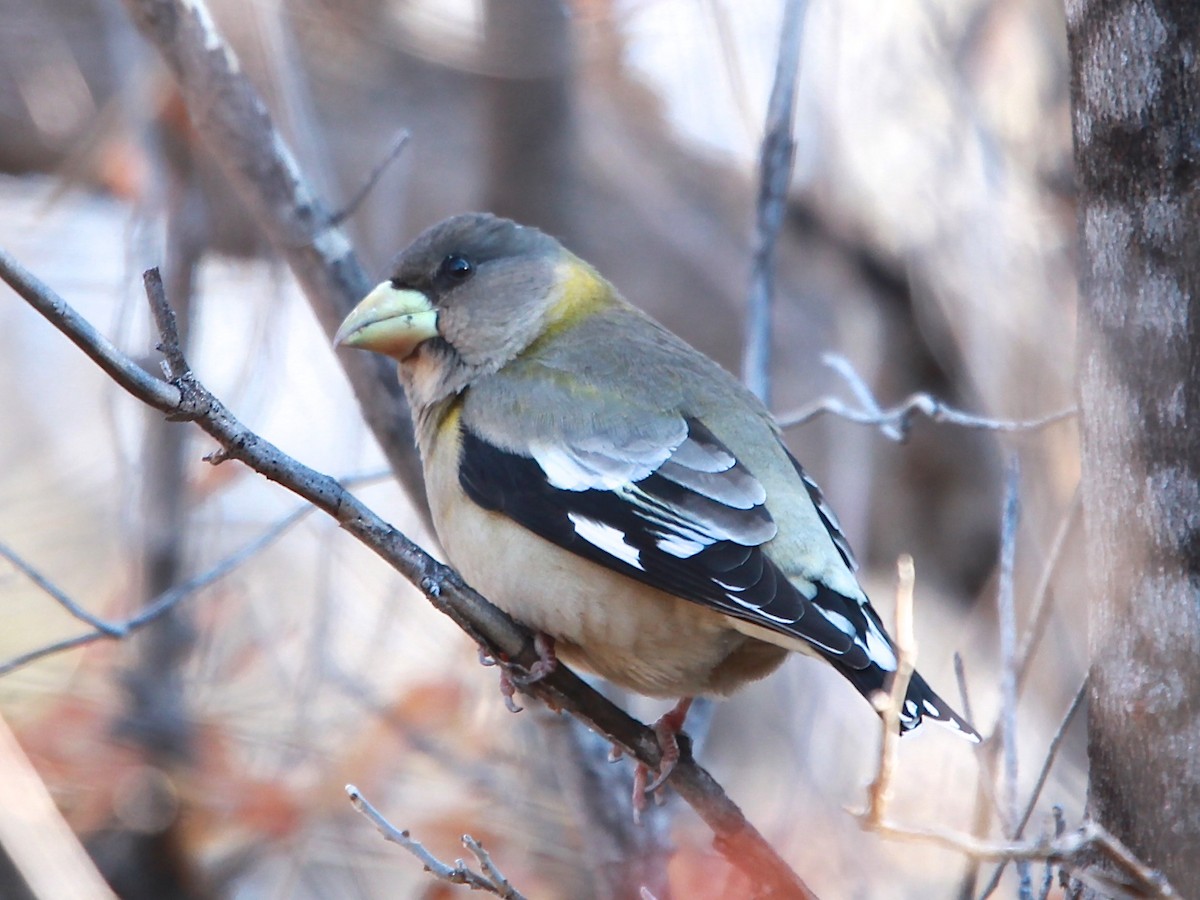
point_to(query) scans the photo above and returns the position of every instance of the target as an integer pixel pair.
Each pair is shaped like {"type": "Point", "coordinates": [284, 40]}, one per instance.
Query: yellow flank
{"type": "Point", "coordinates": [449, 416]}
{"type": "Point", "coordinates": [582, 292]}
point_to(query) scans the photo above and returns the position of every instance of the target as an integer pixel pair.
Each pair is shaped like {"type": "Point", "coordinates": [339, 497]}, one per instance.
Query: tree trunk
{"type": "Point", "coordinates": [1136, 111]}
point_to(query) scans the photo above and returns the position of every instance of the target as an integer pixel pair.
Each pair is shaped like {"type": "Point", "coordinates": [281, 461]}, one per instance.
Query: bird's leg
{"type": "Point", "coordinates": [547, 661]}
{"type": "Point", "coordinates": [666, 729]}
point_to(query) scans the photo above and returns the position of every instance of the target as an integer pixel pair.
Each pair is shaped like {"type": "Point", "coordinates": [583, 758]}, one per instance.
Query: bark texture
{"type": "Point", "coordinates": [1136, 116]}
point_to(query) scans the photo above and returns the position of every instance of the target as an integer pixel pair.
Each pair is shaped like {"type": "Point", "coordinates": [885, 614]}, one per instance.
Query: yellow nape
{"type": "Point", "coordinates": [582, 292]}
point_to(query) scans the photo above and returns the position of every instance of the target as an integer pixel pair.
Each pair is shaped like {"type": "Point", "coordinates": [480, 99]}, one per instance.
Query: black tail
{"type": "Point", "coordinates": [920, 703]}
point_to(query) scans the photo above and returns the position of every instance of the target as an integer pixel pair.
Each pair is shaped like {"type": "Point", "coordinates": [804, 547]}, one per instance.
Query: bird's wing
{"type": "Point", "coordinates": [677, 511]}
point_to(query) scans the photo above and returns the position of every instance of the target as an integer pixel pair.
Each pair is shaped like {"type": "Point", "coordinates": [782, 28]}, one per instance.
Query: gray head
{"type": "Point", "coordinates": [466, 297]}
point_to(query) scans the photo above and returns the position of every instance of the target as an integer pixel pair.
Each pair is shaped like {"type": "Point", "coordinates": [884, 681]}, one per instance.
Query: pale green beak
{"type": "Point", "coordinates": [389, 321]}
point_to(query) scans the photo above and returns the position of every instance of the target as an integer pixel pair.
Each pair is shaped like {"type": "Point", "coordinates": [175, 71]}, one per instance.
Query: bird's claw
{"type": "Point", "coordinates": [666, 729]}
{"type": "Point", "coordinates": [508, 690]}
{"type": "Point", "coordinates": [546, 662]}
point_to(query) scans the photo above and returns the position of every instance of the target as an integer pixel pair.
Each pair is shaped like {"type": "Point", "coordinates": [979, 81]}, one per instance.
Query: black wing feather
{"type": "Point", "coordinates": [516, 486]}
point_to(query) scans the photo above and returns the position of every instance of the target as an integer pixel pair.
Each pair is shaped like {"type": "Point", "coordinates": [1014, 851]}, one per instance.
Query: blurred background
{"type": "Point", "coordinates": [929, 238]}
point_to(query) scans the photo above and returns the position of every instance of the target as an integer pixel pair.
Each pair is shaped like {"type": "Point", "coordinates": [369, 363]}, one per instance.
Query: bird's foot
{"type": "Point", "coordinates": [546, 663]}
{"type": "Point", "coordinates": [666, 729]}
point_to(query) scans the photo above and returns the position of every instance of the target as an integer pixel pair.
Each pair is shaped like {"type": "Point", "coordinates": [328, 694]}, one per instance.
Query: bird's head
{"type": "Point", "coordinates": [468, 296]}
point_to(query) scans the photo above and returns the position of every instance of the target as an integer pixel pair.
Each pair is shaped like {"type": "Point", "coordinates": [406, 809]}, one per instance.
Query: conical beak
{"type": "Point", "coordinates": [389, 321]}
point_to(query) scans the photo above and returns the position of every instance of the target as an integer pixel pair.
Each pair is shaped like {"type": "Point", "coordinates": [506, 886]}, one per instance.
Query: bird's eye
{"type": "Point", "coordinates": [455, 268]}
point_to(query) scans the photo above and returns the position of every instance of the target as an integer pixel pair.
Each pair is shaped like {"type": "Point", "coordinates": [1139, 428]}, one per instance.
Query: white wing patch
{"type": "Point", "coordinates": [679, 546]}
{"type": "Point", "coordinates": [840, 622]}
{"type": "Point", "coordinates": [606, 464]}
{"type": "Point", "coordinates": [877, 647]}
{"type": "Point", "coordinates": [582, 470]}
{"type": "Point", "coordinates": [605, 537]}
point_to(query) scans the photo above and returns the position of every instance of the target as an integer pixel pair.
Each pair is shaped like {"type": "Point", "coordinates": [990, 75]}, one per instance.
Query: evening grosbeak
{"type": "Point", "coordinates": [608, 485]}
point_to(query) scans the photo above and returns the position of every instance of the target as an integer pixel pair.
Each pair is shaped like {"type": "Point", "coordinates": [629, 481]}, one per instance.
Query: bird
{"type": "Point", "coordinates": [611, 487]}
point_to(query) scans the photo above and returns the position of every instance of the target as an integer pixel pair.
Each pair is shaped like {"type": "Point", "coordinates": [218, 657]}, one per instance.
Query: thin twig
{"type": "Point", "coordinates": [489, 868]}
{"type": "Point", "coordinates": [490, 880]}
{"type": "Point", "coordinates": [896, 422]}
{"type": "Point", "coordinates": [1008, 648]}
{"type": "Point", "coordinates": [889, 705]}
{"type": "Point", "coordinates": [103, 352]}
{"type": "Point", "coordinates": [1047, 763]}
{"type": "Point", "coordinates": [398, 145]}
{"type": "Point", "coordinates": [1042, 605]}
{"type": "Point", "coordinates": [165, 321]}
{"type": "Point", "coordinates": [164, 602]}
{"type": "Point", "coordinates": [775, 174]}
{"type": "Point", "coordinates": [1007, 619]}
{"type": "Point", "coordinates": [964, 695]}
{"type": "Point", "coordinates": [1069, 849]}
{"type": "Point", "coordinates": [488, 626]}
{"type": "Point", "coordinates": [1042, 596]}
{"type": "Point", "coordinates": [1051, 754]}
{"type": "Point", "coordinates": [110, 629]}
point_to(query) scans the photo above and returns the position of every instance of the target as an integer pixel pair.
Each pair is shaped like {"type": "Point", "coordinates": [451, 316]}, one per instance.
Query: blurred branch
{"type": "Point", "coordinates": [889, 705]}
{"type": "Point", "coordinates": [775, 174]}
{"type": "Point", "coordinates": [1047, 763]}
{"type": "Point", "coordinates": [1042, 597]}
{"type": "Point", "coordinates": [897, 421]}
{"type": "Point", "coordinates": [1007, 619]}
{"type": "Point", "coordinates": [1070, 849]}
{"type": "Point", "coordinates": [155, 715]}
{"type": "Point", "coordinates": [234, 123]}
{"type": "Point", "coordinates": [620, 856]}
{"type": "Point", "coordinates": [398, 145]}
{"type": "Point", "coordinates": [1021, 660]}
{"type": "Point", "coordinates": [159, 606]}
{"type": "Point", "coordinates": [35, 836]}
{"type": "Point", "coordinates": [63, 599]}
{"type": "Point", "coordinates": [488, 626]}
{"type": "Point", "coordinates": [490, 879]}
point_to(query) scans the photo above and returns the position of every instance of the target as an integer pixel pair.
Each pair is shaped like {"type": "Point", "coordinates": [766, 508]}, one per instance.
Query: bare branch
{"type": "Point", "coordinates": [398, 145]}
{"type": "Point", "coordinates": [775, 174]}
{"type": "Point", "coordinates": [487, 625]}
{"type": "Point", "coordinates": [39, 844]}
{"type": "Point", "coordinates": [1007, 617]}
{"type": "Point", "coordinates": [489, 868]}
{"type": "Point", "coordinates": [896, 422]}
{"type": "Point", "coordinates": [889, 705]}
{"type": "Point", "coordinates": [490, 880]}
{"type": "Point", "coordinates": [1047, 763]}
{"type": "Point", "coordinates": [1069, 849]}
{"type": "Point", "coordinates": [132, 377]}
{"type": "Point", "coordinates": [1051, 755]}
{"type": "Point", "coordinates": [63, 599]}
{"type": "Point", "coordinates": [1042, 595]}
{"type": "Point", "coordinates": [234, 123]}
{"type": "Point", "coordinates": [165, 322]}
{"type": "Point", "coordinates": [161, 604]}
{"type": "Point", "coordinates": [989, 749]}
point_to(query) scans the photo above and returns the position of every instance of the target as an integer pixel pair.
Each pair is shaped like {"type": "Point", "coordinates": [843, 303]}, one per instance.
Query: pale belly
{"type": "Point", "coordinates": [636, 636]}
